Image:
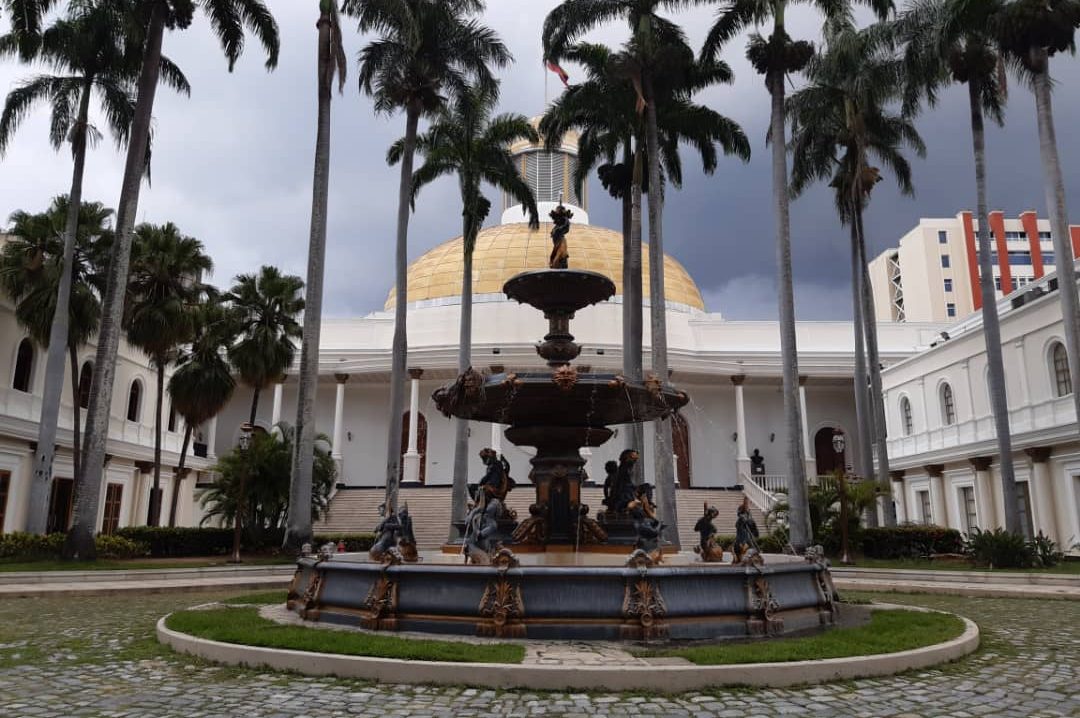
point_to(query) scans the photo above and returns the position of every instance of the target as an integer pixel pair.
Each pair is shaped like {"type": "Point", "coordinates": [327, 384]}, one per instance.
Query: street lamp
{"type": "Point", "coordinates": [244, 444]}
{"type": "Point", "coordinates": [839, 443]}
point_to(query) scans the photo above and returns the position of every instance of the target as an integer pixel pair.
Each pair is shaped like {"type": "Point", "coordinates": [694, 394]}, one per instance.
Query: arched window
{"type": "Point", "coordinates": [905, 416]}
{"type": "Point", "coordinates": [24, 367]}
{"type": "Point", "coordinates": [1059, 368]}
{"type": "Point", "coordinates": [134, 407]}
{"type": "Point", "coordinates": [86, 377]}
{"type": "Point", "coordinates": [948, 405]}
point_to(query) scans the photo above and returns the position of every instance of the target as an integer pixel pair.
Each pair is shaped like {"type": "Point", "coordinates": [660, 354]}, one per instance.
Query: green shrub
{"type": "Point", "coordinates": [771, 543]}
{"type": "Point", "coordinates": [166, 542]}
{"type": "Point", "coordinates": [114, 547]}
{"type": "Point", "coordinates": [1000, 549]}
{"type": "Point", "coordinates": [32, 547]}
{"type": "Point", "coordinates": [910, 541]}
{"type": "Point", "coordinates": [1046, 551]}
{"type": "Point", "coordinates": [353, 542]}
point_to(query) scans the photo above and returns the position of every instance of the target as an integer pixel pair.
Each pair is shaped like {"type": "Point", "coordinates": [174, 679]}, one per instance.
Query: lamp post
{"type": "Point", "coordinates": [839, 443]}
{"type": "Point", "coordinates": [245, 443]}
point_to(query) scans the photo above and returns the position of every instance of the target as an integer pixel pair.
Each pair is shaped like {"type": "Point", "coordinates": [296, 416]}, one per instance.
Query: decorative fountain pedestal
{"type": "Point", "coordinates": [558, 412]}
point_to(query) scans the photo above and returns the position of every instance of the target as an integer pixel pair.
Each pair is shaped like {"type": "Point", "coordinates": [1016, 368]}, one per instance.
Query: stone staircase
{"type": "Point", "coordinates": [356, 510]}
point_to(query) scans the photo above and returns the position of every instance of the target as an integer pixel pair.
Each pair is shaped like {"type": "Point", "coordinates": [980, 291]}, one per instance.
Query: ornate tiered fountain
{"type": "Point", "coordinates": [561, 575]}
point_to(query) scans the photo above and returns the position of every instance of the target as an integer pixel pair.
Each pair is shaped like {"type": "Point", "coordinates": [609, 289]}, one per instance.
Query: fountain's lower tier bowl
{"type": "Point", "coordinates": [561, 399]}
{"type": "Point", "coordinates": [692, 601]}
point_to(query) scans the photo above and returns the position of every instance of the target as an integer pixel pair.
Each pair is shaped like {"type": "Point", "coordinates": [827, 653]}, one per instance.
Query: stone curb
{"type": "Point", "coordinates": [656, 678]}
{"type": "Point", "coordinates": [106, 588]}
{"type": "Point", "coordinates": [949, 588]}
{"type": "Point", "coordinates": [999, 578]}
{"type": "Point", "coordinates": [144, 574]}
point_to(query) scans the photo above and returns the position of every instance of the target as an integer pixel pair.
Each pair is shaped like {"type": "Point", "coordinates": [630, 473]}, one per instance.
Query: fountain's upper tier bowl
{"type": "Point", "coordinates": [552, 399]}
{"type": "Point", "coordinates": [559, 290]}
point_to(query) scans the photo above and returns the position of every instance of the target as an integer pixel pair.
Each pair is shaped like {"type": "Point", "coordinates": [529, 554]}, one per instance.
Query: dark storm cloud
{"type": "Point", "coordinates": [232, 166]}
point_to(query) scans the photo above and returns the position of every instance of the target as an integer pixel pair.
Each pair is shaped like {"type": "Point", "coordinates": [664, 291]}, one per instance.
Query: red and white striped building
{"type": "Point", "coordinates": [933, 275]}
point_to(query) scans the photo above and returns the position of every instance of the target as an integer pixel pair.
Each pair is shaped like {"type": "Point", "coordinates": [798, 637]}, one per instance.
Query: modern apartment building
{"type": "Point", "coordinates": [933, 275]}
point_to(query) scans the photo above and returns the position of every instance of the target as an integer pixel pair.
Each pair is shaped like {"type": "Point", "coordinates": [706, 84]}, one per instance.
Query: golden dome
{"type": "Point", "coordinates": [505, 250]}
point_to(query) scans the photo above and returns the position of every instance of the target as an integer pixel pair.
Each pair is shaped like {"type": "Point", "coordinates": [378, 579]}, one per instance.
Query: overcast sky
{"type": "Point", "coordinates": [232, 166]}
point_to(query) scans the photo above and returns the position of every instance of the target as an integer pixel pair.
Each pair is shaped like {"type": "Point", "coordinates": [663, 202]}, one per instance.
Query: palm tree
{"type": "Point", "coordinates": [776, 57]}
{"type": "Point", "coordinates": [1030, 33]}
{"type": "Point", "coordinates": [466, 140]}
{"type": "Point", "coordinates": [266, 306]}
{"type": "Point", "coordinates": [425, 52]}
{"type": "Point", "coordinates": [164, 290]}
{"type": "Point", "coordinates": [841, 120]}
{"type": "Point", "coordinates": [949, 41]}
{"type": "Point", "coordinates": [31, 272]}
{"type": "Point", "coordinates": [658, 63]}
{"type": "Point", "coordinates": [228, 18]}
{"type": "Point", "coordinates": [331, 63]}
{"type": "Point", "coordinates": [90, 55]}
{"type": "Point", "coordinates": [202, 383]}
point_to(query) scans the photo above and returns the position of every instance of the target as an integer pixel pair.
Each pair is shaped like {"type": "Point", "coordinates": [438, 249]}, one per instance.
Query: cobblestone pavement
{"type": "Point", "coordinates": [98, 657]}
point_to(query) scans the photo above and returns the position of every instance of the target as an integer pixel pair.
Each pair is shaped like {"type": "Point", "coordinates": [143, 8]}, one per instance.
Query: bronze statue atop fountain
{"type": "Point", "coordinates": [619, 487]}
{"type": "Point", "coordinates": [708, 547]}
{"type": "Point", "coordinates": [746, 535]}
{"type": "Point", "coordinates": [560, 253]}
{"type": "Point", "coordinates": [646, 524]}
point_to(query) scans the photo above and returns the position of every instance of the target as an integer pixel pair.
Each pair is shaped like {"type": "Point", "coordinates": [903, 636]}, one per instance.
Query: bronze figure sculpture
{"type": "Point", "coordinates": [560, 254]}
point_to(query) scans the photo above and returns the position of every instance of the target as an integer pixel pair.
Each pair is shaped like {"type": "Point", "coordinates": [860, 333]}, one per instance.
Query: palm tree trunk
{"type": "Point", "coordinates": [632, 296]}
{"type": "Point", "coordinates": [799, 511]}
{"type": "Point", "coordinates": [41, 483]}
{"type": "Point", "coordinates": [159, 401]}
{"type": "Point", "coordinates": [459, 494]}
{"type": "Point", "coordinates": [862, 392]}
{"type": "Point", "coordinates": [400, 347]}
{"type": "Point", "coordinates": [877, 404]}
{"type": "Point", "coordinates": [664, 470]}
{"type": "Point", "coordinates": [1054, 185]}
{"type": "Point", "coordinates": [254, 404]}
{"type": "Point", "coordinates": [76, 429]}
{"type": "Point", "coordinates": [999, 402]}
{"type": "Point", "coordinates": [298, 529]}
{"type": "Point", "coordinates": [181, 472]}
{"type": "Point", "coordinates": [80, 539]}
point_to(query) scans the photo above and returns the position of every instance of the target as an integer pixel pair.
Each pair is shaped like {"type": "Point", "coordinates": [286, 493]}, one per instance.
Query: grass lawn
{"type": "Point", "coordinates": [888, 632]}
{"type": "Point", "coordinates": [139, 563]}
{"type": "Point", "coordinates": [245, 626]}
{"type": "Point", "coordinates": [1065, 567]}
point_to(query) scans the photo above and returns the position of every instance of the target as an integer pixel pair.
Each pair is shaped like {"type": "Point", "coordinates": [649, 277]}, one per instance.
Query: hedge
{"type": "Point", "coordinates": [910, 541]}
{"type": "Point", "coordinates": [165, 542]}
{"type": "Point", "coordinates": [33, 547]}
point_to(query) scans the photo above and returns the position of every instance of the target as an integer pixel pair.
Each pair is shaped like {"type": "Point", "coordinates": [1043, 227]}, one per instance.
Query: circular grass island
{"type": "Point", "coordinates": [870, 640]}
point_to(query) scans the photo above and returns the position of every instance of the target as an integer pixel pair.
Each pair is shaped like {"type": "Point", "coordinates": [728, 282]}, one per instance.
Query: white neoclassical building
{"type": "Point", "coordinates": [942, 442]}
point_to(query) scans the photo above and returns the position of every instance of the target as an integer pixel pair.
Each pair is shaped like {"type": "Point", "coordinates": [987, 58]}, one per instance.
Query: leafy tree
{"type": "Point", "coordinates": [228, 19]}
{"type": "Point", "coordinates": [331, 64]}
{"type": "Point", "coordinates": [776, 57]}
{"type": "Point", "coordinates": [258, 480]}
{"type": "Point", "coordinates": [266, 306]}
{"type": "Point", "coordinates": [165, 289]}
{"type": "Point", "coordinates": [202, 383]}
{"type": "Point", "coordinates": [466, 140]}
{"type": "Point", "coordinates": [93, 52]}
{"type": "Point", "coordinates": [31, 272]}
{"type": "Point", "coordinates": [425, 52]}
{"type": "Point", "coordinates": [946, 42]}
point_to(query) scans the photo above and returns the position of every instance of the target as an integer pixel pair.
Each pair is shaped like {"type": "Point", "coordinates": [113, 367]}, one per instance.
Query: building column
{"type": "Point", "coordinates": [339, 417]}
{"type": "Point", "coordinates": [937, 494]}
{"type": "Point", "coordinates": [809, 461]}
{"type": "Point", "coordinates": [898, 496]}
{"type": "Point", "coordinates": [275, 414]}
{"type": "Point", "coordinates": [984, 493]}
{"type": "Point", "coordinates": [211, 438]}
{"type": "Point", "coordinates": [411, 459]}
{"type": "Point", "coordinates": [1065, 505]}
{"type": "Point", "coordinates": [1041, 492]}
{"type": "Point", "coordinates": [496, 438]}
{"type": "Point", "coordinates": [742, 458]}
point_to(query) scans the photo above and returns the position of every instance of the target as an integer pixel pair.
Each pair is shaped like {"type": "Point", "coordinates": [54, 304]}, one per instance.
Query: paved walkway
{"type": "Point", "coordinates": [96, 657]}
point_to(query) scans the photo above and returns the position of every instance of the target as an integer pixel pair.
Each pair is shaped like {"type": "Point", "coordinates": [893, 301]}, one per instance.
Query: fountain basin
{"type": "Point", "coordinates": [586, 597]}
{"type": "Point", "coordinates": [559, 290]}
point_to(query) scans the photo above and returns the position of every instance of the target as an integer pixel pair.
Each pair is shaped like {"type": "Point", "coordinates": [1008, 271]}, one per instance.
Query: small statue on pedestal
{"type": "Point", "coordinates": [646, 525]}
{"type": "Point", "coordinates": [560, 254]}
{"type": "Point", "coordinates": [407, 541]}
{"type": "Point", "coordinates": [482, 531]}
{"type": "Point", "coordinates": [619, 489]}
{"type": "Point", "coordinates": [757, 464]}
{"type": "Point", "coordinates": [386, 535]}
{"type": "Point", "coordinates": [746, 534]}
{"type": "Point", "coordinates": [496, 482]}
{"type": "Point", "coordinates": [707, 547]}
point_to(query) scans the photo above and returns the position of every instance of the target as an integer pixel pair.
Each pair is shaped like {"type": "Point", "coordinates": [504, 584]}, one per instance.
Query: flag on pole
{"type": "Point", "coordinates": [554, 67]}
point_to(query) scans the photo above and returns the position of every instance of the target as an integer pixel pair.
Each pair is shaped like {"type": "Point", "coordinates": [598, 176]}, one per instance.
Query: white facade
{"type": "Point", "coordinates": [945, 459]}
{"type": "Point", "coordinates": [932, 274]}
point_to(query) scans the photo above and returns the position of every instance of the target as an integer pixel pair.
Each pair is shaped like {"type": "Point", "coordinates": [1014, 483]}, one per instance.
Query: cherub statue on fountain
{"type": "Point", "coordinates": [496, 482]}
{"type": "Point", "coordinates": [482, 531]}
{"type": "Point", "coordinates": [619, 489]}
{"type": "Point", "coordinates": [746, 535]}
{"type": "Point", "coordinates": [386, 534]}
{"type": "Point", "coordinates": [708, 547]}
{"type": "Point", "coordinates": [560, 254]}
{"type": "Point", "coordinates": [407, 540]}
{"type": "Point", "coordinates": [646, 525]}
